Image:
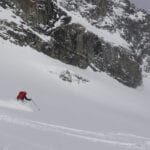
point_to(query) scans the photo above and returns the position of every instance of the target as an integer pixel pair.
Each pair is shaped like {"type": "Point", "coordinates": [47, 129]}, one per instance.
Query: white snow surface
{"type": "Point", "coordinates": [99, 114]}
{"type": "Point", "coordinates": [7, 14]}
{"type": "Point", "coordinates": [13, 104]}
{"type": "Point", "coordinates": [137, 16]}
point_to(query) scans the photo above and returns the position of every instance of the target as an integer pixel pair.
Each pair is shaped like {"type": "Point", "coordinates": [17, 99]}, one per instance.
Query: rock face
{"type": "Point", "coordinates": [37, 12]}
{"type": "Point", "coordinates": [70, 77]}
{"type": "Point", "coordinates": [80, 33]}
{"type": "Point", "coordinates": [83, 48]}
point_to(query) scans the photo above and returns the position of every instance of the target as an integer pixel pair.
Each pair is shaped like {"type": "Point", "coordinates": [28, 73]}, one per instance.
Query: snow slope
{"type": "Point", "coordinates": [99, 114]}
{"type": "Point", "coordinates": [13, 104]}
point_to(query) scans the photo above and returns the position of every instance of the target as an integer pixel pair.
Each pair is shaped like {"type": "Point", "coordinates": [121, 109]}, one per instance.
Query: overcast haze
{"type": "Point", "coordinates": [142, 4]}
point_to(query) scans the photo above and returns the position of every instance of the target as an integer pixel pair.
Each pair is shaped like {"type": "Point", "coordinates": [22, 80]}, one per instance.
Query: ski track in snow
{"type": "Point", "coordinates": [122, 140]}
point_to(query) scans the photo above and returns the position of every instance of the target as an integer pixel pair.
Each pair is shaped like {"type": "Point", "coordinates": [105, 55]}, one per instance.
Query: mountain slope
{"type": "Point", "coordinates": [79, 108]}
{"type": "Point", "coordinates": [98, 113]}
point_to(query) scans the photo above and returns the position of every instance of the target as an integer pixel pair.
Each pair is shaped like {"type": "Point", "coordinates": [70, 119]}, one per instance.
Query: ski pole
{"type": "Point", "coordinates": [35, 105]}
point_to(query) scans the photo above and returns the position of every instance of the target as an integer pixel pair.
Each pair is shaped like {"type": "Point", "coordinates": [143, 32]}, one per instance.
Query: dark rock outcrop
{"type": "Point", "coordinates": [73, 44]}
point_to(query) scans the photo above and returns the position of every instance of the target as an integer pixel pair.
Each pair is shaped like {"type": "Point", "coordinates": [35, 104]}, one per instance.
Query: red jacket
{"type": "Point", "coordinates": [21, 95]}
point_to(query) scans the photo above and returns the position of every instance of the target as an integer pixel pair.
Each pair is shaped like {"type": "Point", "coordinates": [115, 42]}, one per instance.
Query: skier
{"type": "Point", "coordinates": [22, 96]}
